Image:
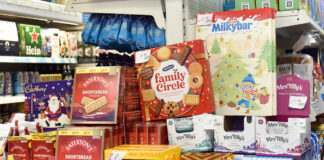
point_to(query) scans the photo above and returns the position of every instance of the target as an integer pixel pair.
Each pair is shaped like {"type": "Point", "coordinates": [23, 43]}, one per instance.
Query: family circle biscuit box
{"type": "Point", "coordinates": [96, 95]}
{"type": "Point", "coordinates": [174, 81]}
{"type": "Point", "coordinates": [49, 103]}
{"type": "Point", "coordinates": [241, 46]}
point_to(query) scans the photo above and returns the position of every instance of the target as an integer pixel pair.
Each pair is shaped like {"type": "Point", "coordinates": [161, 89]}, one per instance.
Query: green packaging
{"type": "Point", "coordinates": [285, 5]}
{"type": "Point", "coordinates": [244, 4]}
{"type": "Point", "coordinates": [29, 40]}
{"type": "Point", "coordinates": [267, 4]}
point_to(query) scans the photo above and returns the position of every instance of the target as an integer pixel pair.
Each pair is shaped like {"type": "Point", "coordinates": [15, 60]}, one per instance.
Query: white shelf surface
{"type": "Point", "coordinates": [12, 99]}
{"type": "Point", "coordinates": [290, 25]}
{"type": "Point", "coordinates": [133, 7]}
{"type": "Point", "coordinates": [12, 59]}
{"type": "Point", "coordinates": [40, 10]}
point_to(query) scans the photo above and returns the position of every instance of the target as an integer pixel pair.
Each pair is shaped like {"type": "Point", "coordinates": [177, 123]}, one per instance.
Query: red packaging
{"type": "Point", "coordinates": [121, 135]}
{"type": "Point", "coordinates": [157, 134]}
{"type": "Point", "coordinates": [132, 117]}
{"type": "Point", "coordinates": [96, 97]}
{"type": "Point", "coordinates": [132, 106]}
{"type": "Point", "coordinates": [131, 134]}
{"type": "Point", "coordinates": [115, 135]}
{"type": "Point", "coordinates": [80, 143]}
{"type": "Point", "coordinates": [19, 147]}
{"type": "Point", "coordinates": [175, 81]}
{"type": "Point", "coordinates": [43, 147]}
{"type": "Point", "coordinates": [142, 134]}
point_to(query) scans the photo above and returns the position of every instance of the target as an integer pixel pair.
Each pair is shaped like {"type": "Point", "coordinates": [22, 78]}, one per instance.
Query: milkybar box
{"type": "Point", "coordinates": [96, 95]}
{"type": "Point", "coordinates": [86, 143]}
{"type": "Point", "coordinates": [242, 50]}
{"type": "Point", "coordinates": [174, 81]}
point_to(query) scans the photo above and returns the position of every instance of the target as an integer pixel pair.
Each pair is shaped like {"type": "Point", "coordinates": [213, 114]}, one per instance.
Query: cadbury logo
{"type": "Point", "coordinates": [29, 88]}
{"type": "Point", "coordinates": [168, 67]}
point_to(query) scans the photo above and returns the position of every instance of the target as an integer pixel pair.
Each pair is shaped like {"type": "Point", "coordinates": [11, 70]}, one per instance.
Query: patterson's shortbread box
{"type": "Point", "coordinates": [174, 81]}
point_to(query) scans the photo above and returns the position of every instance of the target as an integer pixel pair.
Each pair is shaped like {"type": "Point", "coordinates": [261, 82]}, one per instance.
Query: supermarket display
{"type": "Point", "coordinates": [122, 84]}
{"type": "Point", "coordinates": [49, 103]}
{"type": "Point", "coordinates": [241, 45]}
{"type": "Point", "coordinates": [174, 81]}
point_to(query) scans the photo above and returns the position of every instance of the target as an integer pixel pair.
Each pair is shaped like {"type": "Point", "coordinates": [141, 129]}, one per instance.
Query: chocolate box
{"type": "Point", "coordinates": [49, 103]}
{"type": "Point", "coordinates": [267, 4]}
{"type": "Point", "coordinates": [136, 152]}
{"type": "Point", "coordinates": [289, 5]}
{"type": "Point", "coordinates": [98, 95]}
{"type": "Point", "coordinates": [174, 81]}
{"type": "Point", "coordinates": [8, 38]}
{"type": "Point", "coordinates": [286, 139]}
{"type": "Point", "coordinates": [77, 143]}
{"type": "Point", "coordinates": [207, 156]}
{"type": "Point", "coordinates": [244, 4]}
{"type": "Point", "coordinates": [241, 46]}
{"type": "Point", "coordinates": [29, 40]}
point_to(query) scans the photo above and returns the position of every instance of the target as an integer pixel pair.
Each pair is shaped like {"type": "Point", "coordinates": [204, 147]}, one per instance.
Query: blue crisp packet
{"type": "Point", "coordinates": [133, 34]}
{"type": "Point", "coordinates": [114, 31]}
{"type": "Point", "coordinates": [105, 29]}
{"type": "Point", "coordinates": [124, 36]}
{"type": "Point", "coordinates": [150, 33]}
{"type": "Point", "coordinates": [94, 34]}
{"type": "Point", "coordinates": [159, 37]}
{"type": "Point", "coordinates": [88, 28]}
{"type": "Point", "coordinates": [141, 41]}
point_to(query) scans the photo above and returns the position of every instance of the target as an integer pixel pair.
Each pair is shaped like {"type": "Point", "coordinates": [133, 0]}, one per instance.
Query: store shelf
{"type": "Point", "coordinates": [134, 7]}
{"type": "Point", "coordinates": [291, 24]}
{"type": "Point", "coordinates": [12, 59]}
{"type": "Point", "coordinates": [12, 99]}
{"type": "Point", "coordinates": [39, 10]}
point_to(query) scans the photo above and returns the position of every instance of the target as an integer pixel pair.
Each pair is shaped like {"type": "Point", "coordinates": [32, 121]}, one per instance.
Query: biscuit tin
{"type": "Point", "coordinates": [242, 50]}
{"type": "Point", "coordinates": [174, 81]}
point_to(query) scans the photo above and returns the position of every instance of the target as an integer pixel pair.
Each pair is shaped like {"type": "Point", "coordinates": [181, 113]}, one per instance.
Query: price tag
{"type": "Point", "coordinates": [142, 56]}
{"type": "Point", "coordinates": [297, 102]}
{"type": "Point", "coordinates": [204, 19]}
{"type": "Point", "coordinates": [116, 155]}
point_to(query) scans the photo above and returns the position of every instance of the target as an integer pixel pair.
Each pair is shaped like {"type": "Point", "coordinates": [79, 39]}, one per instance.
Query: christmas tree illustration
{"type": "Point", "coordinates": [267, 56]}
{"type": "Point", "coordinates": [230, 73]}
{"type": "Point", "coordinates": [215, 49]}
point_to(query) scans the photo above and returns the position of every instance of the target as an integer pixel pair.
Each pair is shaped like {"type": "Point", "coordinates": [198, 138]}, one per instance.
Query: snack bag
{"type": "Point", "coordinates": [133, 34]}
{"type": "Point", "coordinates": [88, 28]}
{"type": "Point", "coordinates": [114, 32]}
{"type": "Point", "coordinates": [150, 33]}
{"type": "Point", "coordinates": [94, 34]}
{"type": "Point", "coordinates": [105, 30]}
{"type": "Point", "coordinates": [159, 37]}
{"type": "Point", "coordinates": [124, 36]}
{"type": "Point", "coordinates": [141, 42]}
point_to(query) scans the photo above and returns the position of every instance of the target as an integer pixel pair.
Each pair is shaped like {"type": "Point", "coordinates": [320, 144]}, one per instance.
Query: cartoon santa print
{"type": "Point", "coordinates": [56, 112]}
{"type": "Point", "coordinates": [249, 93]}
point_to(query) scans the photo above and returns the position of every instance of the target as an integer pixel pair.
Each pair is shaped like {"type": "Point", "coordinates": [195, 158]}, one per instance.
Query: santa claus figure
{"type": "Point", "coordinates": [54, 112]}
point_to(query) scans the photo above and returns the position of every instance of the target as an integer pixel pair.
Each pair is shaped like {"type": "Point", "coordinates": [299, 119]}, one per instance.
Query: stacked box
{"type": "Point", "coordinates": [146, 133]}
{"type": "Point", "coordinates": [241, 46]}
{"type": "Point", "coordinates": [8, 38]}
{"type": "Point", "coordinates": [285, 5]}
{"type": "Point", "coordinates": [29, 40]}
{"type": "Point", "coordinates": [267, 4]}
{"type": "Point", "coordinates": [244, 4]}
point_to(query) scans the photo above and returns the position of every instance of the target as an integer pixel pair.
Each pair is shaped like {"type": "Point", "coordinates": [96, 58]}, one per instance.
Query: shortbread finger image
{"type": "Point", "coordinates": [95, 105]}
{"type": "Point", "coordinates": [86, 100]}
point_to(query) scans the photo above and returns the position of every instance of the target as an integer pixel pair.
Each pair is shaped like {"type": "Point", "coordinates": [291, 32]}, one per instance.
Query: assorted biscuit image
{"type": "Point", "coordinates": [86, 100]}
{"type": "Point", "coordinates": [171, 108]}
{"type": "Point", "coordinates": [95, 105]}
{"type": "Point", "coordinates": [195, 81]}
{"type": "Point", "coordinates": [164, 53]}
{"type": "Point", "coordinates": [195, 68]}
{"type": "Point", "coordinates": [146, 73]}
{"type": "Point", "coordinates": [191, 99]}
{"type": "Point", "coordinates": [148, 95]}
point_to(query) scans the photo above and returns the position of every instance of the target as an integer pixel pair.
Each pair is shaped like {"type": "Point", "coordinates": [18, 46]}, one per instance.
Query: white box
{"type": "Point", "coordinates": [232, 141]}
{"type": "Point", "coordinates": [286, 139]}
{"type": "Point", "coordinates": [190, 134]}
